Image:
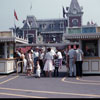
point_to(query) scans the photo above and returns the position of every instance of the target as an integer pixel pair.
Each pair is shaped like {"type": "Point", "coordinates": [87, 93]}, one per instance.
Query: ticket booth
{"type": "Point", "coordinates": [7, 48]}
{"type": "Point", "coordinates": [90, 44]}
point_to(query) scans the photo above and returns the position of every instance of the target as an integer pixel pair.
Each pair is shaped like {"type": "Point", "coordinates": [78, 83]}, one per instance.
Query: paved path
{"type": "Point", "coordinates": [22, 86]}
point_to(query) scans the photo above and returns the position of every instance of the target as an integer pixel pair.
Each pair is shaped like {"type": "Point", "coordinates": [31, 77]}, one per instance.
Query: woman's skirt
{"type": "Point", "coordinates": [48, 66]}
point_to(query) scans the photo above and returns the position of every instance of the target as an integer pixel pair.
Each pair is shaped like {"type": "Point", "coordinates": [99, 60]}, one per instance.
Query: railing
{"type": "Point", "coordinates": [17, 66]}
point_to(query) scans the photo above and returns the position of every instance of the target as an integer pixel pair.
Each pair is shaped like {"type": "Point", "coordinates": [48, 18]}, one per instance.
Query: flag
{"type": "Point", "coordinates": [15, 15]}
{"type": "Point", "coordinates": [64, 12]}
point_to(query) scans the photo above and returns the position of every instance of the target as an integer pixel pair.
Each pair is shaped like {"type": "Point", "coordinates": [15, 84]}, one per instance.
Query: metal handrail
{"type": "Point", "coordinates": [17, 66]}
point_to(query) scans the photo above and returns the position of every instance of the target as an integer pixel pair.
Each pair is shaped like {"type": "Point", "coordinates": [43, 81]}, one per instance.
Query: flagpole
{"type": "Point", "coordinates": [30, 8]}
{"type": "Point", "coordinates": [14, 25]}
{"type": "Point", "coordinates": [14, 19]}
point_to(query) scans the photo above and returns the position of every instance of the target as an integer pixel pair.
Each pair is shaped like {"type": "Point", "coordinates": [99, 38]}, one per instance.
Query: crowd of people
{"type": "Point", "coordinates": [43, 62]}
{"type": "Point", "coordinates": [40, 62]}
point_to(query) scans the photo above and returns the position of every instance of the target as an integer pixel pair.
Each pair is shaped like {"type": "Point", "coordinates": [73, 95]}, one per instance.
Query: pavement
{"type": "Point", "coordinates": [22, 86]}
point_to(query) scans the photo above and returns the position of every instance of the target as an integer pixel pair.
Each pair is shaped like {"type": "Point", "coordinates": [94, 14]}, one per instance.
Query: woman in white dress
{"type": "Point", "coordinates": [48, 67]}
{"type": "Point", "coordinates": [30, 66]}
{"type": "Point", "coordinates": [24, 62]}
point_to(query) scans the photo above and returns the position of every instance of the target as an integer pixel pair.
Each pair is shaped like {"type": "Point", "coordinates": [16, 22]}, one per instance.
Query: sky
{"type": "Point", "coordinates": [43, 9]}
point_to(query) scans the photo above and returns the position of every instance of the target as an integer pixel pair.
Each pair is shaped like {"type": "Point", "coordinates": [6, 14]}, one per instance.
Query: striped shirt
{"type": "Point", "coordinates": [56, 63]}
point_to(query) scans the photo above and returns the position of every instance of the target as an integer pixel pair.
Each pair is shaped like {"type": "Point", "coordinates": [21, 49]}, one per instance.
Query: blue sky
{"type": "Point", "coordinates": [43, 9]}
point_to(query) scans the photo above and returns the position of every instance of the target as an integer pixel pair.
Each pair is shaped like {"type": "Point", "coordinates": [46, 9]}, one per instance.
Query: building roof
{"type": "Point", "coordinates": [45, 25]}
{"type": "Point", "coordinates": [50, 20]}
{"type": "Point", "coordinates": [30, 22]}
{"type": "Point", "coordinates": [74, 5]}
{"type": "Point", "coordinates": [51, 25]}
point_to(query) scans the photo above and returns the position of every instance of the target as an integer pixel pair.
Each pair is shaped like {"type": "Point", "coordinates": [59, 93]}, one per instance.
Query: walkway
{"type": "Point", "coordinates": [22, 86]}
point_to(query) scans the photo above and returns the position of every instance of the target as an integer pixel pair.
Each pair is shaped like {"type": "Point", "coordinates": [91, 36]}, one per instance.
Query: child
{"type": "Point", "coordinates": [56, 64]}
{"type": "Point", "coordinates": [38, 70]}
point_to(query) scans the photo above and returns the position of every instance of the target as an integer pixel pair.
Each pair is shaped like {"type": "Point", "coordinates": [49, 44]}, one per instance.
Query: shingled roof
{"type": "Point", "coordinates": [30, 22]}
{"type": "Point", "coordinates": [52, 25]}
{"type": "Point", "coordinates": [74, 5]}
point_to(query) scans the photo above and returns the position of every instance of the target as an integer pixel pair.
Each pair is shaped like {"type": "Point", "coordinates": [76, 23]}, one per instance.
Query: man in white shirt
{"type": "Point", "coordinates": [79, 61]}
{"type": "Point", "coordinates": [72, 67]}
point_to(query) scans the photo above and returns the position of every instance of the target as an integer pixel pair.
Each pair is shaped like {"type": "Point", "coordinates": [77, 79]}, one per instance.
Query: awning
{"type": "Point", "coordinates": [46, 44]}
{"type": "Point", "coordinates": [13, 39]}
{"type": "Point", "coordinates": [82, 36]}
{"type": "Point", "coordinates": [6, 39]}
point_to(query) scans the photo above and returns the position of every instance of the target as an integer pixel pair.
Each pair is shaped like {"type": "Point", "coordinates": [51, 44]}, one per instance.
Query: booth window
{"type": "Point", "coordinates": [1, 50]}
{"type": "Point", "coordinates": [10, 50]}
{"type": "Point", "coordinates": [90, 48]}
